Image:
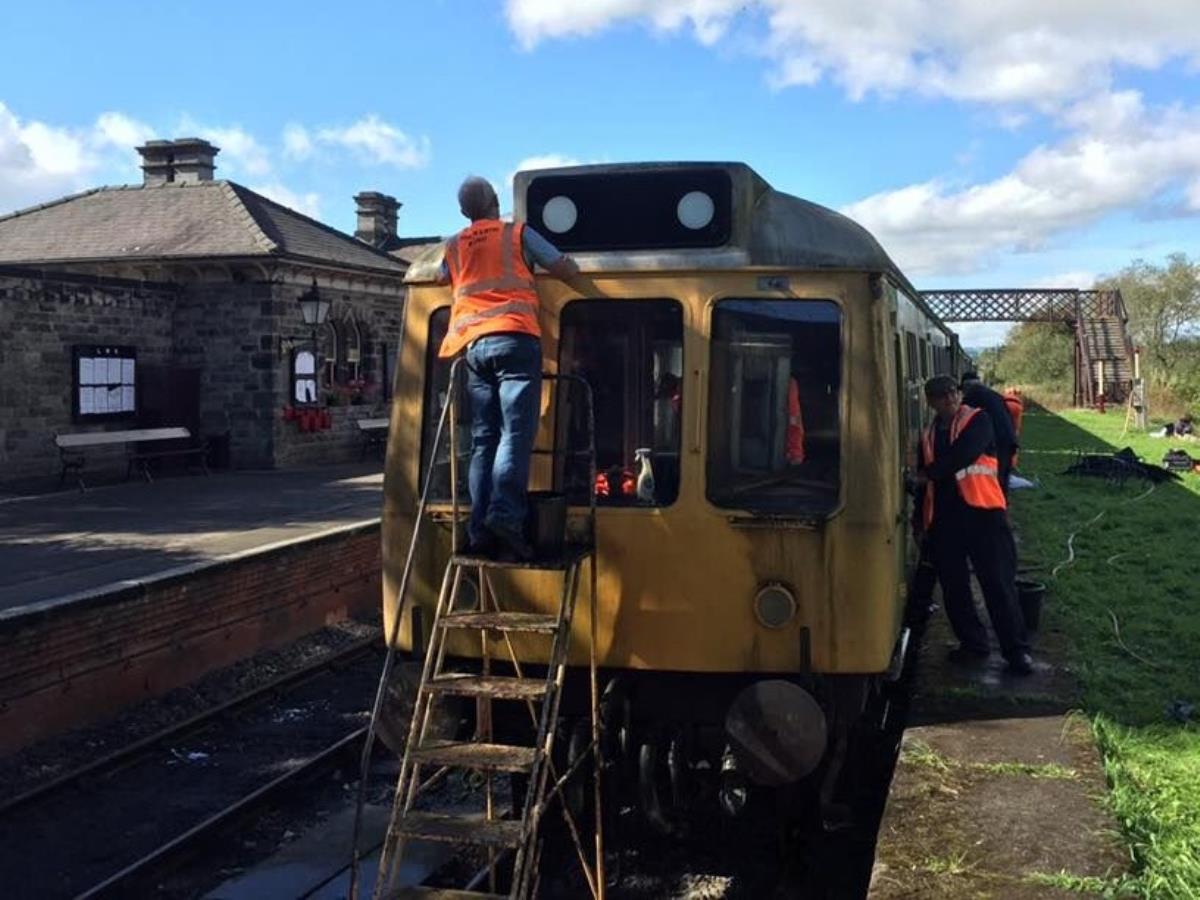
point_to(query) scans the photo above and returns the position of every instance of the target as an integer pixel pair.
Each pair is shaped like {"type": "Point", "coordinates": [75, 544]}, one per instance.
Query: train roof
{"type": "Point", "coordinates": [765, 227]}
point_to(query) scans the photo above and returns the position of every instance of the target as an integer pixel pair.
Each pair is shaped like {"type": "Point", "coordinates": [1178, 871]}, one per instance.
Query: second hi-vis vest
{"type": "Point", "coordinates": [978, 483]}
{"type": "Point", "coordinates": [1016, 411]}
{"type": "Point", "coordinates": [493, 287]}
{"type": "Point", "coordinates": [794, 436]}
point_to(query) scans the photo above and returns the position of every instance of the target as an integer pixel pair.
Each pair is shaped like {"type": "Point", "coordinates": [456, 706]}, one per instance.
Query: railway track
{"type": "Point", "coordinates": [106, 829]}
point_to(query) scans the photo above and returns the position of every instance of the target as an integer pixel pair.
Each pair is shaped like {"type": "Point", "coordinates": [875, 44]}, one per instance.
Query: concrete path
{"type": "Point", "coordinates": [998, 791]}
{"type": "Point", "coordinates": [68, 542]}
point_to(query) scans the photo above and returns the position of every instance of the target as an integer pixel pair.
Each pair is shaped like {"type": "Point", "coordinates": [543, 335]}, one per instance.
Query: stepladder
{"type": "Point", "coordinates": [510, 660]}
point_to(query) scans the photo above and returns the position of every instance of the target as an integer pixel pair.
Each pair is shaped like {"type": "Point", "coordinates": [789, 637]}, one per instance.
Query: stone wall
{"type": "Point", "coordinates": [227, 331]}
{"type": "Point", "coordinates": [379, 323]}
{"type": "Point", "coordinates": [210, 353]}
{"type": "Point", "coordinates": [41, 318]}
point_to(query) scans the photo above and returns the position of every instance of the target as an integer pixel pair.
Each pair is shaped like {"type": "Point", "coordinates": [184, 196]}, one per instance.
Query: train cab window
{"type": "Point", "coordinates": [631, 353]}
{"type": "Point", "coordinates": [774, 395]}
{"type": "Point", "coordinates": [437, 380]}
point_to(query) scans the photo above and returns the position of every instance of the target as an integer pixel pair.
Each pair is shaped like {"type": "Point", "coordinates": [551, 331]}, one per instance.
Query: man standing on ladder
{"type": "Point", "coordinates": [963, 512]}
{"type": "Point", "coordinates": [494, 318]}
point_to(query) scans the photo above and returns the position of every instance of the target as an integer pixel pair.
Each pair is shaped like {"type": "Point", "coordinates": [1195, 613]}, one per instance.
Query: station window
{"type": "Point", "coordinates": [631, 353]}
{"type": "Point", "coordinates": [774, 395]}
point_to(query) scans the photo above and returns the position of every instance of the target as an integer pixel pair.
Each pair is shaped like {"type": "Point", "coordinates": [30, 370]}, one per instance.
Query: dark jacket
{"type": "Point", "coordinates": [983, 397]}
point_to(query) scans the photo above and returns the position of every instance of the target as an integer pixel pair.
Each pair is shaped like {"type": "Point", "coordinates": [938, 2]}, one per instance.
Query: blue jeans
{"type": "Point", "coordinates": [504, 379]}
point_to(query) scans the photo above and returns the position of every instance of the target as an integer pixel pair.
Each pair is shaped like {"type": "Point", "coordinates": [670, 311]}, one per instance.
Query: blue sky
{"type": "Point", "coordinates": [1003, 144]}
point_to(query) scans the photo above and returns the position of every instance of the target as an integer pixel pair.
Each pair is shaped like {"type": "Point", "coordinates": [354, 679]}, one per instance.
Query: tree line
{"type": "Point", "coordinates": [1163, 302]}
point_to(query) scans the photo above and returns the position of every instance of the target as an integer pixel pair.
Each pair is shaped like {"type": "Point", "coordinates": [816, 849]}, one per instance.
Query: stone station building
{"type": "Point", "coordinates": [191, 284]}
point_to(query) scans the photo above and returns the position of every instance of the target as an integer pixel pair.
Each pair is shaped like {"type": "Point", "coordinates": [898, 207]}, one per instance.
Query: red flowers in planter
{"type": "Point", "coordinates": [308, 418]}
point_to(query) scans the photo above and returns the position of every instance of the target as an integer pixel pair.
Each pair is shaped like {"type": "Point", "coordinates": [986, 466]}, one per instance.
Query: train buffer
{"type": "Point", "coordinates": [469, 604]}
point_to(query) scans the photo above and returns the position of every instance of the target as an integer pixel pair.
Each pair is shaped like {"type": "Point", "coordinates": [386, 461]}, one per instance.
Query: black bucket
{"type": "Point", "coordinates": [547, 523]}
{"type": "Point", "coordinates": [1031, 594]}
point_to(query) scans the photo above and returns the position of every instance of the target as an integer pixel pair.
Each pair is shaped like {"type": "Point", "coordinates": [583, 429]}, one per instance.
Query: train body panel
{"type": "Point", "coordinates": [677, 582]}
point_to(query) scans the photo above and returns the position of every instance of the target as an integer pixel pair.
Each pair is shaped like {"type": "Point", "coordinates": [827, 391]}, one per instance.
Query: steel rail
{"type": "Point", "coordinates": [112, 762]}
{"type": "Point", "coordinates": [156, 857]}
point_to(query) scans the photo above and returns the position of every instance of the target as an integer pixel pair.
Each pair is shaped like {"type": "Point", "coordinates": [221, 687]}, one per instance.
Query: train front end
{"type": "Point", "coordinates": [748, 605]}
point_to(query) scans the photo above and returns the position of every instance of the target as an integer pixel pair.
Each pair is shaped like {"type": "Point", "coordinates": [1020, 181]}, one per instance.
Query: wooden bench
{"type": "Point", "coordinates": [142, 446]}
{"type": "Point", "coordinates": [374, 433]}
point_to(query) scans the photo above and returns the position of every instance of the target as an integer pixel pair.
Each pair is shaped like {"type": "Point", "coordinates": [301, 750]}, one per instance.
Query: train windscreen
{"type": "Point", "coordinates": [631, 353]}
{"type": "Point", "coordinates": [774, 398]}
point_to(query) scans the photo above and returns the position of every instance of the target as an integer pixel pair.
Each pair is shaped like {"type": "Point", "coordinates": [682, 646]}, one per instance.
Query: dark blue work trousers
{"type": "Point", "coordinates": [504, 379]}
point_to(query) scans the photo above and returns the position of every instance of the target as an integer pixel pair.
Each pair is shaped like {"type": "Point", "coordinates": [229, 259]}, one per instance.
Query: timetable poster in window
{"type": "Point", "coordinates": [104, 382]}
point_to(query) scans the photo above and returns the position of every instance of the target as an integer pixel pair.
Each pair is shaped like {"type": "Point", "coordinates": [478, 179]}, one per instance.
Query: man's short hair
{"type": "Point", "coordinates": [475, 197]}
{"type": "Point", "coordinates": [970, 376]}
{"type": "Point", "coordinates": [940, 386]}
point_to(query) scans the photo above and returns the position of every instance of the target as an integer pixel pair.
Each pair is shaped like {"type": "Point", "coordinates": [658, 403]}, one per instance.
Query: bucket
{"type": "Point", "coordinates": [1031, 594]}
{"type": "Point", "coordinates": [547, 523]}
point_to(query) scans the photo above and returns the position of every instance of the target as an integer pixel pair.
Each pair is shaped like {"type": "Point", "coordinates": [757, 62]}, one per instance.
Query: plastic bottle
{"type": "Point", "coordinates": [645, 481]}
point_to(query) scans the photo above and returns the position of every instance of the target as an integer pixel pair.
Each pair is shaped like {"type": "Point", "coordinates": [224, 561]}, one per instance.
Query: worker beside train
{"type": "Point", "coordinates": [494, 318]}
{"type": "Point", "coordinates": [977, 394]}
{"type": "Point", "coordinates": [962, 514]}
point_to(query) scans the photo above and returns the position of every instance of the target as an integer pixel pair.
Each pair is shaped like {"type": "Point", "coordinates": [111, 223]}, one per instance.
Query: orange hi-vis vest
{"type": "Point", "coordinates": [493, 287]}
{"type": "Point", "coordinates": [978, 483]}
{"type": "Point", "coordinates": [794, 436]}
{"type": "Point", "coordinates": [1016, 412]}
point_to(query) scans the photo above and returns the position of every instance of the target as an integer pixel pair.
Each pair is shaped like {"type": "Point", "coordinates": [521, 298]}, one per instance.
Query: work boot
{"type": "Point", "coordinates": [482, 545]}
{"type": "Point", "coordinates": [963, 655]}
{"type": "Point", "coordinates": [512, 542]}
{"type": "Point", "coordinates": [1021, 664]}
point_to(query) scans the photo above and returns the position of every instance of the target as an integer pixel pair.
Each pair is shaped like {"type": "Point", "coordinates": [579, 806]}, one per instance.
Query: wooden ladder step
{"type": "Point", "coordinates": [433, 893]}
{"type": "Point", "coordinates": [471, 755]}
{"type": "Point", "coordinates": [468, 829]}
{"type": "Point", "coordinates": [502, 621]}
{"type": "Point", "coordinates": [499, 687]}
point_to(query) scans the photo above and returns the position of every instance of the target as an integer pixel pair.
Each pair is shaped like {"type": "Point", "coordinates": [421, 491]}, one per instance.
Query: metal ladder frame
{"type": "Point", "coordinates": [541, 767]}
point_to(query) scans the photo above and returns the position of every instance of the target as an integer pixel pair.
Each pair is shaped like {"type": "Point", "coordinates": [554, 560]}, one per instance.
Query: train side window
{"type": "Point", "coordinates": [923, 355]}
{"type": "Point", "coordinates": [911, 366]}
{"type": "Point", "coordinates": [631, 353]}
{"type": "Point", "coordinates": [774, 434]}
{"type": "Point", "coordinates": [437, 379]}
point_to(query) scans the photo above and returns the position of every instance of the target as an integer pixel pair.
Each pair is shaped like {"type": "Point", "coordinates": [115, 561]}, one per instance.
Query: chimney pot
{"type": "Point", "coordinates": [377, 215]}
{"type": "Point", "coordinates": [185, 160]}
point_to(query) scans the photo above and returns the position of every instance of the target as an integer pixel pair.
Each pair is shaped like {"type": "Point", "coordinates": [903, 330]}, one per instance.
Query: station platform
{"type": "Point", "coordinates": [67, 543]}
{"type": "Point", "coordinates": [120, 593]}
{"type": "Point", "coordinates": [997, 794]}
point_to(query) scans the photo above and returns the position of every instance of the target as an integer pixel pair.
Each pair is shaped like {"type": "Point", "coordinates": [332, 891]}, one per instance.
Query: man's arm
{"type": "Point", "coordinates": [546, 255]}
{"type": "Point", "coordinates": [975, 439]}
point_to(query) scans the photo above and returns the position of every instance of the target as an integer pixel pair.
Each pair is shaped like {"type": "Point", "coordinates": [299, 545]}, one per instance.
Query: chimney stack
{"type": "Point", "coordinates": [376, 218]}
{"type": "Point", "coordinates": [185, 160]}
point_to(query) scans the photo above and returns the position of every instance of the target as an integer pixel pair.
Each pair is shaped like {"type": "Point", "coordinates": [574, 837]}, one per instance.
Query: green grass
{"type": "Point", "coordinates": [1139, 563]}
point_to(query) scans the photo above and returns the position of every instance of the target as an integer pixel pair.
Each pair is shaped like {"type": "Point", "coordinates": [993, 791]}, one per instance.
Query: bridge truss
{"type": "Point", "coordinates": [1105, 365]}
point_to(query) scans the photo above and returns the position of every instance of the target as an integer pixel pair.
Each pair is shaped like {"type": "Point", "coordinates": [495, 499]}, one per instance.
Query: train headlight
{"type": "Point", "coordinates": [559, 214]}
{"type": "Point", "coordinates": [695, 210]}
{"type": "Point", "coordinates": [775, 605]}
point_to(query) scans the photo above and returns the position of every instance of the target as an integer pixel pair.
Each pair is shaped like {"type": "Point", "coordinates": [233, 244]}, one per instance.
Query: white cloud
{"type": "Point", "coordinates": [241, 153]}
{"type": "Point", "coordinates": [977, 335]}
{"type": "Point", "coordinates": [1123, 158]}
{"type": "Point", "coordinates": [297, 143]}
{"type": "Point", "coordinates": [1028, 52]}
{"type": "Point", "coordinates": [379, 142]}
{"type": "Point", "coordinates": [40, 161]}
{"type": "Point", "coordinates": [541, 161]}
{"type": "Point", "coordinates": [307, 203]}
{"type": "Point", "coordinates": [122, 132]}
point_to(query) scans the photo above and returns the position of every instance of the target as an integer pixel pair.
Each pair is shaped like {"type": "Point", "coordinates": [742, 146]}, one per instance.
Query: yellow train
{"type": "Point", "coordinates": [769, 355]}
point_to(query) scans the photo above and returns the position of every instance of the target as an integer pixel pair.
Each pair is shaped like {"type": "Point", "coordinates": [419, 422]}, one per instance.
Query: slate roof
{"type": "Point", "coordinates": [177, 221]}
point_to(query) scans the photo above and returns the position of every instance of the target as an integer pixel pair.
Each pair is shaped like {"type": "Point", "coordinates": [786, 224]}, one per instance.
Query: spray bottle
{"type": "Point", "coordinates": [645, 481]}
